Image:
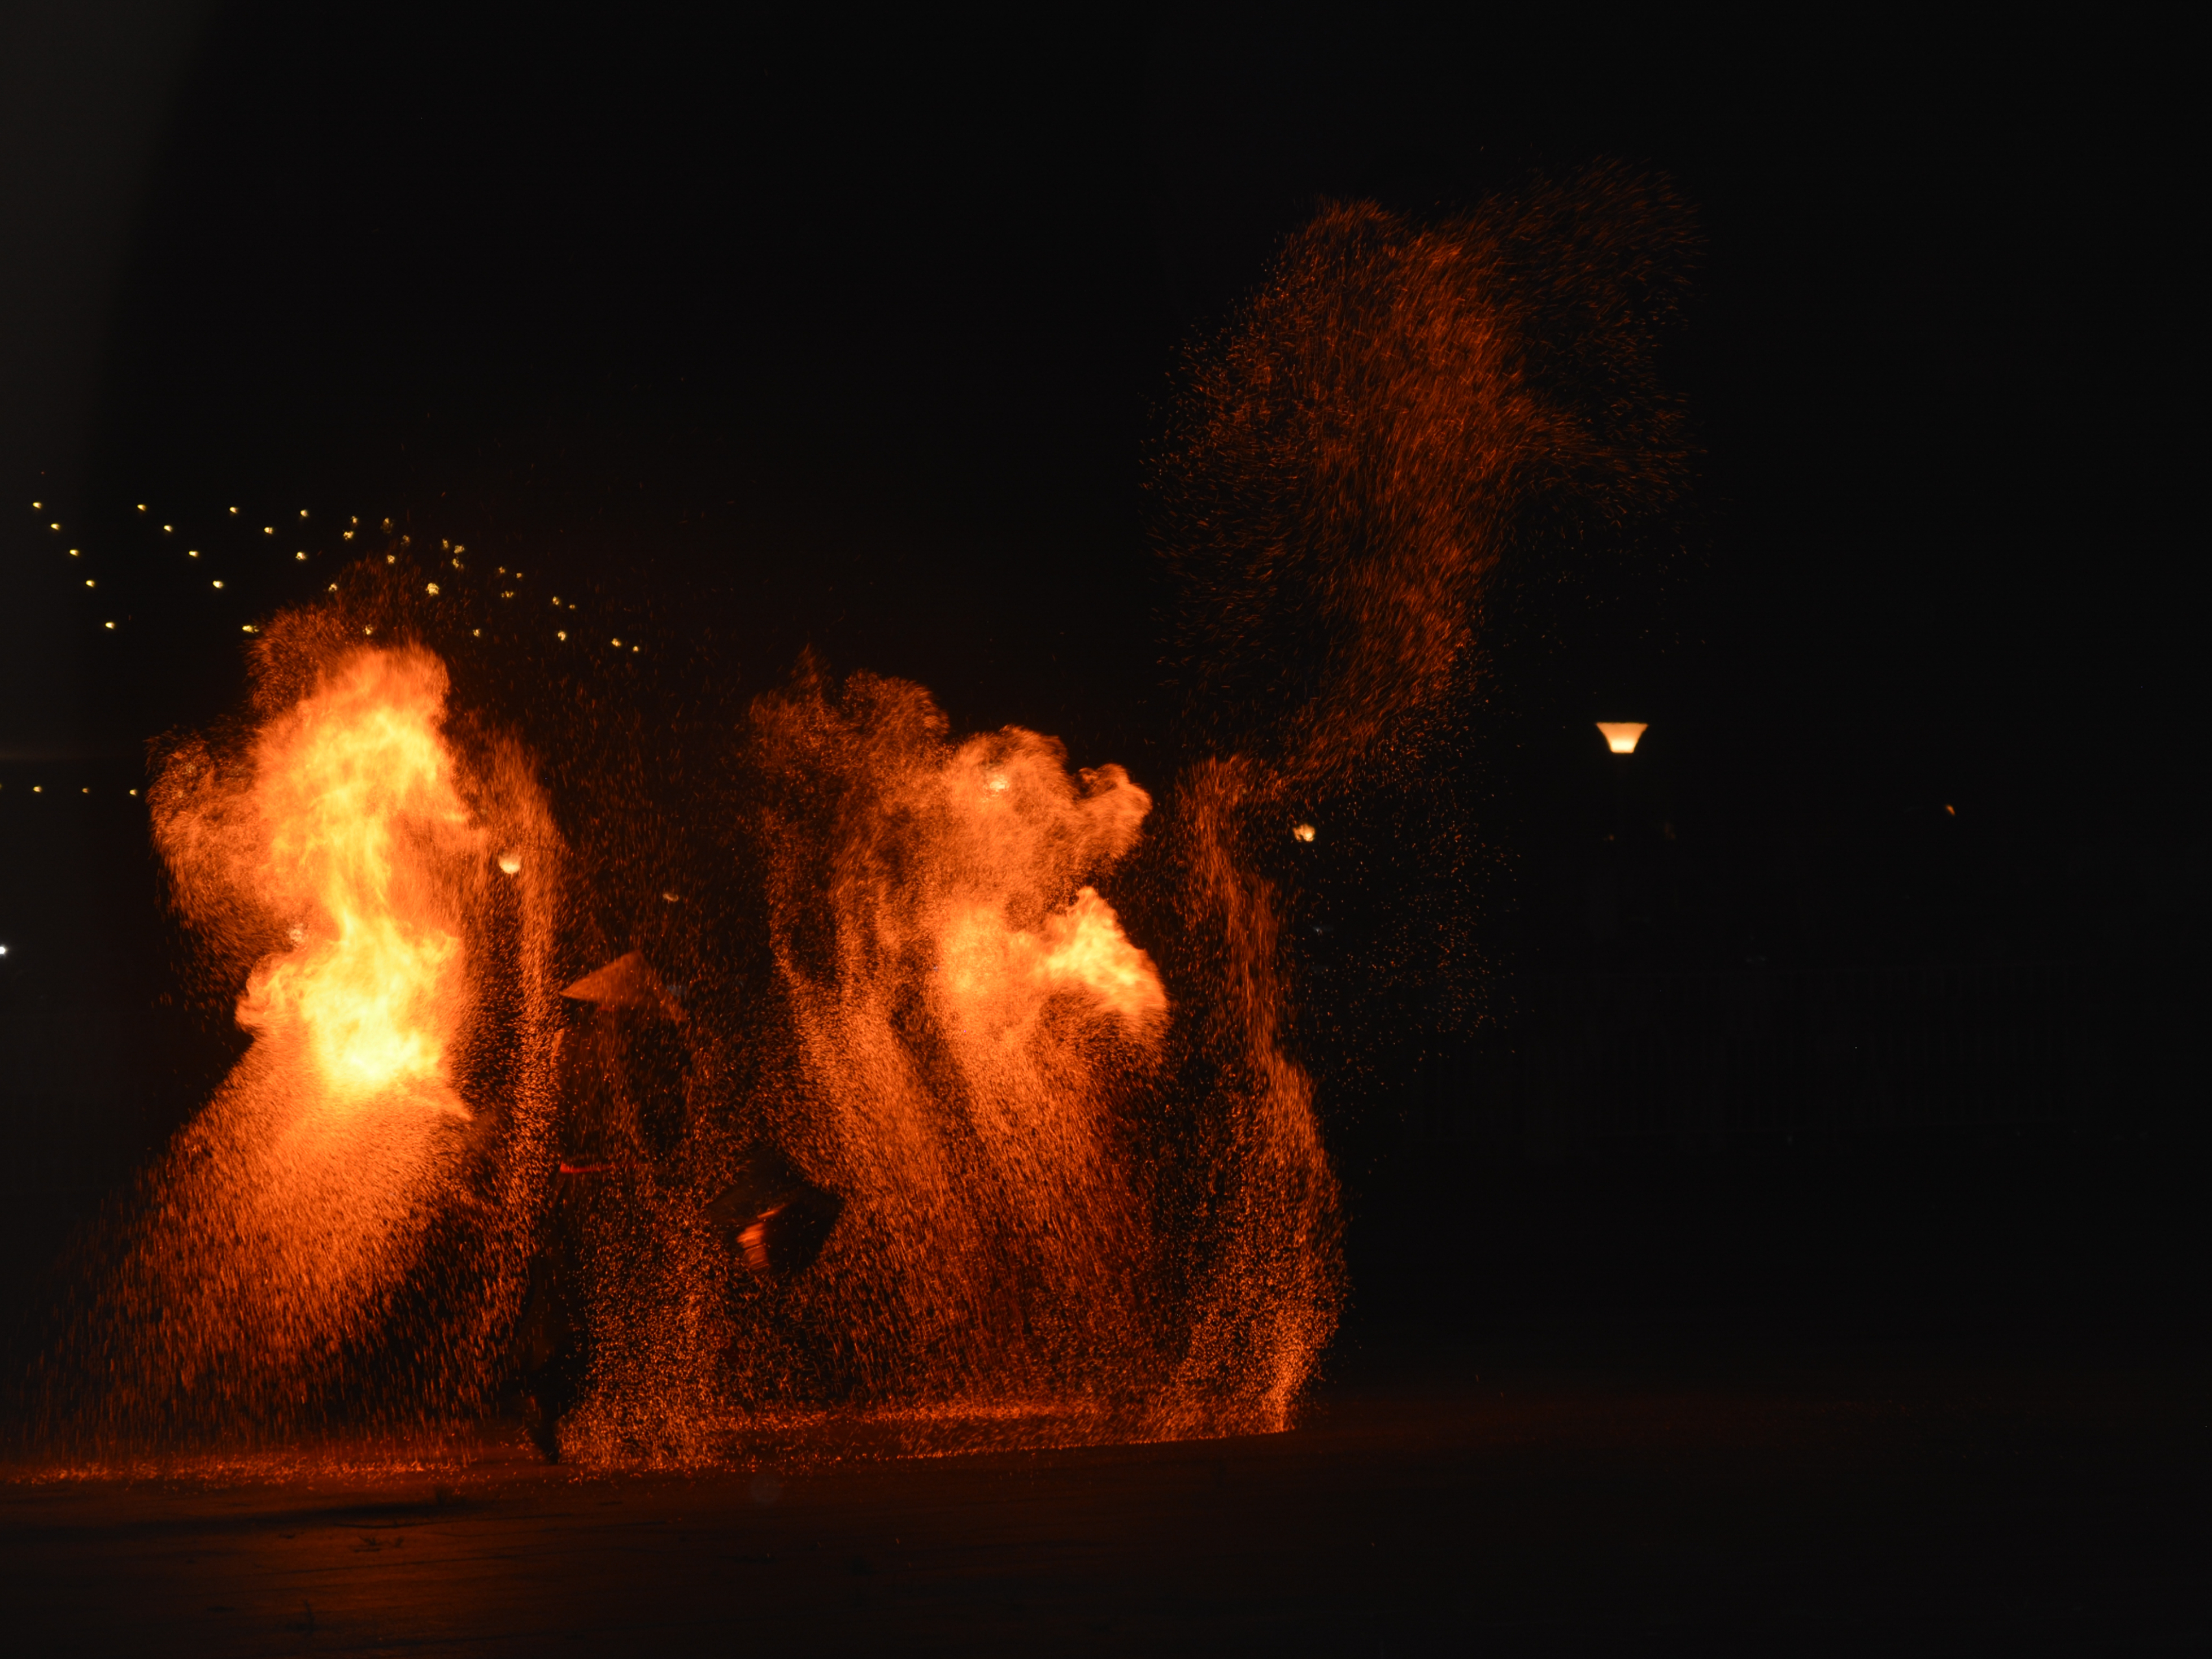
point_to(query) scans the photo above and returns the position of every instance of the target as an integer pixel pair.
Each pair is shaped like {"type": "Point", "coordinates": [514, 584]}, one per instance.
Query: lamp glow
{"type": "Point", "coordinates": [1620, 736]}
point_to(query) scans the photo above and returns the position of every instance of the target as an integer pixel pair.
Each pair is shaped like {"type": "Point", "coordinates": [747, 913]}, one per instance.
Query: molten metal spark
{"type": "Point", "coordinates": [345, 1222]}
{"type": "Point", "coordinates": [355, 787]}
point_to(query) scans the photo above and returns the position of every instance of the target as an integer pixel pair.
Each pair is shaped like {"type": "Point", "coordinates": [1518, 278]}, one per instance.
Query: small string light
{"type": "Point", "coordinates": [218, 582]}
{"type": "Point", "coordinates": [191, 552]}
{"type": "Point", "coordinates": [301, 553]}
{"type": "Point", "coordinates": [107, 624]}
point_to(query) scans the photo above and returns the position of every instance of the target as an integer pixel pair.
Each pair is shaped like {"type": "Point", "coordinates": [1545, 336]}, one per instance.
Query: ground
{"type": "Point", "coordinates": [1663, 1492]}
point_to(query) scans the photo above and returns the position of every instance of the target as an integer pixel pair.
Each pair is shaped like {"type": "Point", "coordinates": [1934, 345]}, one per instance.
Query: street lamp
{"type": "Point", "coordinates": [1620, 736]}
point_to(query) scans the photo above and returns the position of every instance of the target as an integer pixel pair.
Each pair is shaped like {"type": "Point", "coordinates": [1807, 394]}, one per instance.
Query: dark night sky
{"type": "Point", "coordinates": [854, 339]}
{"type": "Point", "coordinates": [751, 341]}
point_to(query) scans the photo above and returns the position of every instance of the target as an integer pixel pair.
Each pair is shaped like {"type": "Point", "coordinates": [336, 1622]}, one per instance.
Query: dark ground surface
{"type": "Point", "coordinates": [1662, 1493]}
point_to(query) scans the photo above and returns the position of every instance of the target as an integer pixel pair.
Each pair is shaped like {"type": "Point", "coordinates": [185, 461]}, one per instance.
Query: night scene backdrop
{"type": "Point", "coordinates": [1863, 996]}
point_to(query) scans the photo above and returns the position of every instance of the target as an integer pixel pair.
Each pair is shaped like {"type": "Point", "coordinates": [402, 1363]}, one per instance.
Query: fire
{"type": "Point", "coordinates": [353, 785]}
{"type": "Point", "coordinates": [1081, 950]}
{"type": "Point", "coordinates": [943, 1077]}
{"type": "Point", "coordinates": [345, 1225]}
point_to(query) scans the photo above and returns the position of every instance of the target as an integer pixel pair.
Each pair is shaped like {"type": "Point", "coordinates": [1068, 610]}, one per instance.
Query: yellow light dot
{"type": "Point", "coordinates": [72, 552]}
{"type": "Point", "coordinates": [300, 555]}
{"type": "Point", "coordinates": [561, 634]}
{"type": "Point", "coordinates": [167, 528]}
{"type": "Point", "coordinates": [53, 526]}
{"type": "Point", "coordinates": [38, 789]}
{"type": "Point", "coordinates": [510, 864]}
{"type": "Point", "coordinates": [1303, 832]}
{"type": "Point", "coordinates": [88, 581]}
{"type": "Point", "coordinates": [430, 587]}
{"type": "Point", "coordinates": [233, 511]}
{"type": "Point", "coordinates": [303, 512]}
{"type": "Point", "coordinates": [142, 507]}
{"type": "Point", "coordinates": [191, 552]}
{"type": "Point", "coordinates": [557, 599]}
{"type": "Point", "coordinates": [85, 790]}
{"type": "Point", "coordinates": [509, 594]}
{"type": "Point", "coordinates": [218, 583]}
{"type": "Point", "coordinates": [477, 633]}
{"type": "Point", "coordinates": [107, 624]}
{"type": "Point", "coordinates": [268, 529]}
{"type": "Point", "coordinates": [134, 792]}
{"type": "Point", "coordinates": [346, 534]}
{"type": "Point", "coordinates": [38, 507]}
{"type": "Point", "coordinates": [334, 588]}
{"type": "Point", "coordinates": [616, 644]}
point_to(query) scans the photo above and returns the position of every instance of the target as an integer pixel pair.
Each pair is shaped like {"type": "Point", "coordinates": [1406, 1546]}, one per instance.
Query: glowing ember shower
{"type": "Point", "coordinates": [870, 1074]}
{"type": "Point", "coordinates": [354, 788]}
{"type": "Point", "coordinates": [347, 1219]}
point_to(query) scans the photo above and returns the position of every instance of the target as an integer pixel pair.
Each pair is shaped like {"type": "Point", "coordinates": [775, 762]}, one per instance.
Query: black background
{"type": "Point", "coordinates": [750, 341]}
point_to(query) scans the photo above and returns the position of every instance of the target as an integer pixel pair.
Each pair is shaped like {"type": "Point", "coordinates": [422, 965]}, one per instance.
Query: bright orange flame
{"type": "Point", "coordinates": [989, 966]}
{"type": "Point", "coordinates": [355, 784]}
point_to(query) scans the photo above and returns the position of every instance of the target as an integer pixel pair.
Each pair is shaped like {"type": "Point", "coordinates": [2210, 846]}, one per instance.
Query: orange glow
{"type": "Point", "coordinates": [355, 784]}
{"type": "Point", "coordinates": [344, 1226]}
{"type": "Point", "coordinates": [1621, 736]}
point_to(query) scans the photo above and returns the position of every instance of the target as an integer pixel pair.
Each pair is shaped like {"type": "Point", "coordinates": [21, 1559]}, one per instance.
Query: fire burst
{"type": "Point", "coordinates": [339, 1233]}
{"type": "Point", "coordinates": [968, 1102]}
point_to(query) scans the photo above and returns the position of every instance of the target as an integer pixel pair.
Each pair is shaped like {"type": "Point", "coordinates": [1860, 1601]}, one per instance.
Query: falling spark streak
{"type": "Point", "coordinates": [1029, 1036]}
{"type": "Point", "coordinates": [343, 1227]}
